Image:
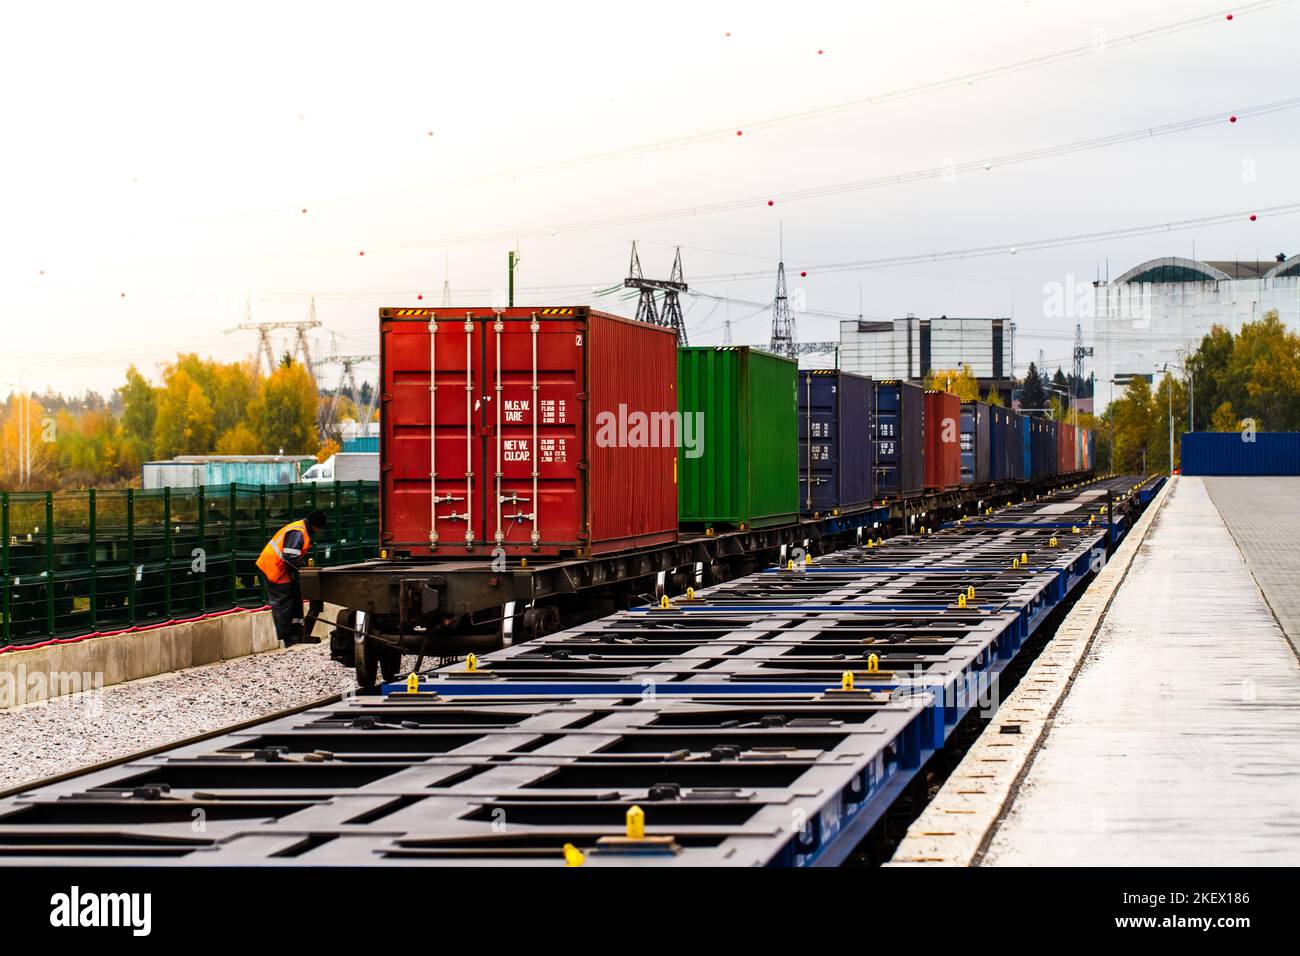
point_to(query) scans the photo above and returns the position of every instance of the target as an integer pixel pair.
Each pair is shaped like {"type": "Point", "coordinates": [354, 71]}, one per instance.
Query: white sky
{"type": "Point", "coordinates": [166, 151]}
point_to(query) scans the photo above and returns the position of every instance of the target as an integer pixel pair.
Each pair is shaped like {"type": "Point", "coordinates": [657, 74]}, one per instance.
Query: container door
{"type": "Point", "coordinates": [819, 446]}
{"type": "Point", "coordinates": [532, 422]}
{"type": "Point", "coordinates": [429, 482]}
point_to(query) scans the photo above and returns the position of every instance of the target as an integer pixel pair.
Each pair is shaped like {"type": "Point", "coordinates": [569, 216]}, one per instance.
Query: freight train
{"type": "Point", "coordinates": [538, 462]}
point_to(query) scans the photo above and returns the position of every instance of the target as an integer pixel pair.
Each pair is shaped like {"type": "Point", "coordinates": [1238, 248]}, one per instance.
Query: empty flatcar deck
{"type": "Point", "coordinates": [768, 721]}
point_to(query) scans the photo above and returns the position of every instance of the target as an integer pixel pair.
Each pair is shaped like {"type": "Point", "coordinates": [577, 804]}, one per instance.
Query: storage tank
{"type": "Point", "coordinates": [747, 474]}
{"type": "Point", "coordinates": [900, 440]}
{"type": "Point", "coordinates": [942, 426]}
{"type": "Point", "coordinates": [547, 431]}
{"type": "Point", "coordinates": [836, 450]}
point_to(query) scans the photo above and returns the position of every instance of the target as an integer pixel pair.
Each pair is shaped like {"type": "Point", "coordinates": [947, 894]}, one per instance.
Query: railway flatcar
{"type": "Point", "coordinates": [540, 465]}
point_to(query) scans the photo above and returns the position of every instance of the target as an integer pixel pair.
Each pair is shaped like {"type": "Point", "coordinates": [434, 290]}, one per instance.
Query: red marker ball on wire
{"type": "Point", "coordinates": [1232, 119]}
{"type": "Point", "coordinates": [769, 202]}
{"type": "Point", "coordinates": [803, 274]}
{"type": "Point", "coordinates": [1230, 16]}
{"type": "Point", "coordinates": [1252, 217]}
{"type": "Point", "coordinates": [420, 298]}
{"type": "Point", "coordinates": [740, 132]}
{"type": "Point", "coordinates": [362, 252]}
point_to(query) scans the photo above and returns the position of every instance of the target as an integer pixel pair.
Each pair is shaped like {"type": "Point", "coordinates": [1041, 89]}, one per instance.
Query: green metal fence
{"type": "Point", "coordinates": [78, 562]}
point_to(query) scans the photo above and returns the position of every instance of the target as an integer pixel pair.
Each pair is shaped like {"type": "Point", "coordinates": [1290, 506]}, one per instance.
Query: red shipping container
{"type": "Point", "coordinates": [1064, 449]}
{"type": "Point", "coordinates": [560, 440]}
{"type": "Point", "coordinates": [942, 424]}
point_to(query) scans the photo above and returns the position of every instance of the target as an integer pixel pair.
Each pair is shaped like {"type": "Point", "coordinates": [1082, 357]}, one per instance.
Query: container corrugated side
{"type": "Point", "coordinates": [632, 488]}
{"type": "Point", "coordinates": [748, 473]}
{"type": "Point", "coordinates": [1241, 453]}
{"type": "Point", "coordinates": [942, 428]}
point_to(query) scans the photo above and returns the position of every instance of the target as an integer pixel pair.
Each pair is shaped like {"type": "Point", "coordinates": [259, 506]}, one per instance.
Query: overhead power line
{"type": "Point", "coordinates": [925, 174]}
{"type": "Point", "coordinates": [833, 109]}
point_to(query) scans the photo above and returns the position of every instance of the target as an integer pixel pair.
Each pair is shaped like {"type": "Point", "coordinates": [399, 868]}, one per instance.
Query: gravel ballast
{"type": "Point", "coordinates": [48, 738]}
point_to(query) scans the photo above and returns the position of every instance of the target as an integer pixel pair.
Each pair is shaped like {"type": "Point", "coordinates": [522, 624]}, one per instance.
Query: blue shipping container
{"type": "Point", "coordinates": [368, 444]}
{"type": "Point", "coordinates": [976, 448]}
{"type": "Point", "coordinates": [836, 451]}
{"type": "Point", "coordinates": [900, 442]}
{"type": "Point", "coordinates": [1231, 453]}
{"type": "Point", "coordinates": [1025, 463]}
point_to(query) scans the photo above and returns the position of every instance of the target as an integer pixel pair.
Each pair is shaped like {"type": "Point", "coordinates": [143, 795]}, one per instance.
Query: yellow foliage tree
{"type": "Point", "coordinates": [960, 382]}
{"type": "Point", "coordinates": [1224, 419]}
{"type": "Point", "coordinates": [283, 415]}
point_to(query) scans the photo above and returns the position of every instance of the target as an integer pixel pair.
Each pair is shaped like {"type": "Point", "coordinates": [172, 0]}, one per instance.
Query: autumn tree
{"type": "Point", "coordinates": [1224, 419]}
{"type": "Point", "coordinates": [1131, 416]}
{"type": "Point", "coordinates": [183, 424]}
{"type": "Point", "coordinates": [283, 415]}
{"type": "Point", "coordinates": [960, 382]}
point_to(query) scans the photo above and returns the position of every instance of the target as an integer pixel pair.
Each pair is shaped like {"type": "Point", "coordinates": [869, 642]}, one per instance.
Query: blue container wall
{"type": "Point", "coordinates": [900, 447]}
{"type": "Point", "coordinates": [998, 437]}
{"type": "Point", "coordinates": [366, 443]}
{"type": "Point", "coordinates": [1227, 453]}
{"type": "Point", "coordinates": [976, 443]}
{"type": "Point", "coordinates": [1025, 463]}
{"type": "Point", "coordinates": [836, 450]}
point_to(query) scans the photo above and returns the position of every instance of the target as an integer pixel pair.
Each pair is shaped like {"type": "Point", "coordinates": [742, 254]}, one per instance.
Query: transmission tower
{"type": "Point", "coordinates": [347, 380]}
{"type": "Point", "coordinates": [1081, 352]}
{"type": "Point", "coordinates": [726, 326]}
{"type": "Point", "coordinates": [783, 337]}
{"type": "Point", "coordinates": [264, 329]}
{"type": "Point", "coordinates": [446, 282]}
{"type": "Point", "coordinates": [646, 311]}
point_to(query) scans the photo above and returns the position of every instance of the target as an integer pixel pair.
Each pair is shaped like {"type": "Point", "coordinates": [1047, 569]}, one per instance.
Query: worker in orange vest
{"type": "Point", "coordinates": [279, 563]}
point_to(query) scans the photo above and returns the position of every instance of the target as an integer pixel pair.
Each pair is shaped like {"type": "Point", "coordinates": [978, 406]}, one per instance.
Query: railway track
{"type": "Point", "coordinates": [771, 720]}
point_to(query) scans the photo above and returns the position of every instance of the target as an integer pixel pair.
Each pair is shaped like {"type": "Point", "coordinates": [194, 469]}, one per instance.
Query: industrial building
{"type": "Point", "coordinates": [909, 348]}
{"type": "Point", "coordinates": [1157, 312]}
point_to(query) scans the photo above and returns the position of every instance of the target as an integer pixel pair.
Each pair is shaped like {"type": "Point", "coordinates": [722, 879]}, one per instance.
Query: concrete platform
{"type": "Point", "coordinates": [1177, 740]}
{"type": "Point", "coordinates": [30, 675]}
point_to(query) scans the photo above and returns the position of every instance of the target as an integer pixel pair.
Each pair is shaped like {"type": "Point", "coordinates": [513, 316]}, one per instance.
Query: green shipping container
{"type": "Point", "coordinates": [745, 471]}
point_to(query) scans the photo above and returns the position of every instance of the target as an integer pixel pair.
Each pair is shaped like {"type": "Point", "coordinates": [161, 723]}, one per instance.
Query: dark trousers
{"type": "Point", "coordinates": [286, 611]}
{"type": "Point", "coordinates": [286, 608]}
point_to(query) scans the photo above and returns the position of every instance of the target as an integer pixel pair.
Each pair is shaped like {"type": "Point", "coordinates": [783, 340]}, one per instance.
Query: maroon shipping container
{"type": "Point", "coordinates": [560, 440]}
{"type": "Point", "coordinates": [1064, 449]}
{"type": "Point", "coordinates": [942, 423]}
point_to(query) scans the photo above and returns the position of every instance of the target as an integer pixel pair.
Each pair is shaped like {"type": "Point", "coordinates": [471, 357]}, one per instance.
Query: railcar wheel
{"type": "Point", "coordinates": [365, 653]}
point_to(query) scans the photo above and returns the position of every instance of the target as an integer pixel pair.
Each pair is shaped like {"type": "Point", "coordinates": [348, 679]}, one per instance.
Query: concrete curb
{"type": "Point", "coordinates": [32, 675]}
{"type": "Point", "coordinates": [956, 826]}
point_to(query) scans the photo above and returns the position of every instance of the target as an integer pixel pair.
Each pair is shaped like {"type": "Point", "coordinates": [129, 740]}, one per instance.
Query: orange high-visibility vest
{"type": "Point", "coordinates": [271, 561]}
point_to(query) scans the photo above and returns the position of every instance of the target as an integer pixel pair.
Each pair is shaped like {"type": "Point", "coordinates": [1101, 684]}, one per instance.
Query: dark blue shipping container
{"type": "Point", "coordinates": [836, 450]}
{"type": "Point", "coordinates": [900, 443]}
{"type": "Point", "coordinates": [1044, 447]}
{"type": "Point", "coordinates": [1001, 444]}
{"type": "Point", "coordinates": [1025, 462]}
{"type": "Point", "coordinates": [1230, 453]}
{"type": "Point", "coordinates": [976, 443]}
